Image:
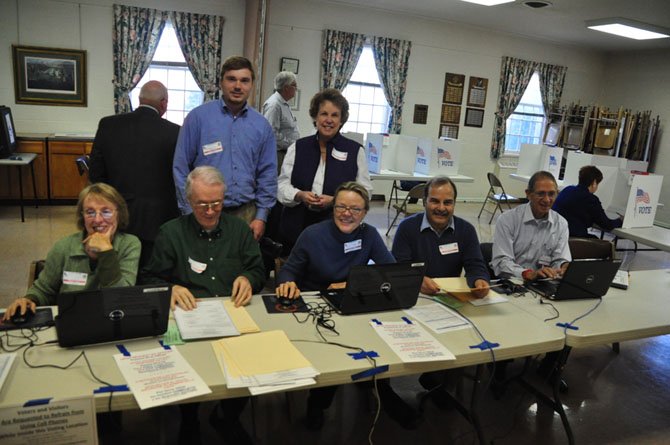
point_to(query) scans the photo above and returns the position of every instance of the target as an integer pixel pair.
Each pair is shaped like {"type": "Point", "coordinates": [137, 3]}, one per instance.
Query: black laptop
{"type": "Point", "coordinates": [583, 279]}
{"type": "Point", "coordinates": [377, 287]}
{"type": "Point", "coordinates": [112, 314]}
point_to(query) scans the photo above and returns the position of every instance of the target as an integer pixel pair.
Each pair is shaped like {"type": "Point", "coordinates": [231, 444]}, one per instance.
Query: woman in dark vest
{"type": "Point", "coordinates": [315, 165]}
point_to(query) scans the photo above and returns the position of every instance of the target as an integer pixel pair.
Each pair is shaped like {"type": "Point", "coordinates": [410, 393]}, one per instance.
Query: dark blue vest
{"type": "Point", "coordinates": [307, 158]}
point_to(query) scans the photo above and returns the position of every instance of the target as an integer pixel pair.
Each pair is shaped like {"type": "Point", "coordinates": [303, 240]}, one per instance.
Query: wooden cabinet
{"type": "Point", "coordinates": [9, 175]}
{"type": "Point", "coordinates": [65, 182]}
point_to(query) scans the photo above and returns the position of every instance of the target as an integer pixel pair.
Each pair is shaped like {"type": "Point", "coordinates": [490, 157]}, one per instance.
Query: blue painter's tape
{"type": "Point", "coordinates": [112, 388]}
{"type": "Point", "coordinates": [363, 354]}
{"type": "Point", "coordinates": [370, 372]}
{"type": "Point", "coordinates": [407, 320]}
{"type": "Point", "coordinates": [485, 345]}
{"type": "Point", "coordinates": [167, 347]}
{"type": "Point", "coordinates": [122, 349]}
{"type": "Point", "coordinates": [374, 320]}
{"type": "Point", "coordinates": [37, 402]}
{"type": "Point", "coordinates": [567, 326]}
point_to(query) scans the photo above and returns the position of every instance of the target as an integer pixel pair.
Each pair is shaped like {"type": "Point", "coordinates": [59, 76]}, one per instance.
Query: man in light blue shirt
{"type": "Point", "coordinates": [531, 240]}
{"type": "Point", "coordinates": [230, 135]}
{"type": "Point", "coordinates": [277, 111]}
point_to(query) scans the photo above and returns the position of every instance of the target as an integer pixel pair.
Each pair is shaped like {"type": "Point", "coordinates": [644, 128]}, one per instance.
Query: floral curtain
{"type": "Point", "coordinates": [392, 61]}
{"type": "Point", "coordinates": [135, 38]}
{"type": "Point", "coordinates": [200, 38]}
{"type": "Point", "coordinates": [552, 78]}
{"type": "Point", "coordinates": [514, 77]}
{"type": "Point", "coordinates": [339, 56]}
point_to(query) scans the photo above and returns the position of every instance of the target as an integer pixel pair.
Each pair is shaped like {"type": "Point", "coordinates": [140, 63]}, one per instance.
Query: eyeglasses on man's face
{"type": "Point", "coordinates": [339, 208]}
{"type": "Point", "coordinates": [104, 213]}
{"type": "Point", "coordinates": [204, 206]}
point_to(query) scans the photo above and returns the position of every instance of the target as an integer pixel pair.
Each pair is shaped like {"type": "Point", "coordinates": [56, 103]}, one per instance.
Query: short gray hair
{"type": "Point", "coordinates": [205, 173]}
{"type": "Point", "coordinates": [284, 79]}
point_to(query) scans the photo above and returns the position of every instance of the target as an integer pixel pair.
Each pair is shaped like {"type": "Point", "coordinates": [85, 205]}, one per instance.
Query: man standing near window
{"type": "Point", "coordinates": [277, 111]}
{"type": "Point", "coordinates": [230, 135]}
{"type": "Point", "coordinates": [133, 153]}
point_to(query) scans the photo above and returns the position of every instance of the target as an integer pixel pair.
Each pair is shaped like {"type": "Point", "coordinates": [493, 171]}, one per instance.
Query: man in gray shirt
{"type": "Point", "coordinates": [277, 111]}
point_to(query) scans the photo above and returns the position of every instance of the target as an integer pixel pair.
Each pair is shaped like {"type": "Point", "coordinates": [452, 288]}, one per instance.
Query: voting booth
{"type": "Point", "coordinates": [578, 159]}
{"type": "Point", "coordinates": [536, 157]}
{"type": "Point", "coordinates": [391, 152]}
{"type": "Point", "coordinates": [635, 196]}
{"type": "Point", "coordinates": [437, 157]}
{"type": "Point", "coordinates": [358, 137]}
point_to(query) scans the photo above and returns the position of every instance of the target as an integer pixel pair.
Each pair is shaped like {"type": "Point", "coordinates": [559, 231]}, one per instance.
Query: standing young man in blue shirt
{"type": "Point", "coordinates": [230, 135]}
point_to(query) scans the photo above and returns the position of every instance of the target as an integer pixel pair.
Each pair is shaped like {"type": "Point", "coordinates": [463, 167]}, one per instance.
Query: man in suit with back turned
{"type": "Point", "coordinates": [133, 152]}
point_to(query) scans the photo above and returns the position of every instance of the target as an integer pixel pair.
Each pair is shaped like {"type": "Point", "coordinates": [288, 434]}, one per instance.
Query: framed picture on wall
{"type": "Point", "coordinates": [474, 117]}
{"type": "Point", "coordinates": [49, 76]}
{"type": "Point", "coordinates": [295, 101]}
{"type": "Point", "coordinates": [289, 64]}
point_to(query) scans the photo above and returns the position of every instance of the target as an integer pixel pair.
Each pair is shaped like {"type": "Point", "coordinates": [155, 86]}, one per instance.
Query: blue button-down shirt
{"type": "Point", "coordinates": [242, 147]}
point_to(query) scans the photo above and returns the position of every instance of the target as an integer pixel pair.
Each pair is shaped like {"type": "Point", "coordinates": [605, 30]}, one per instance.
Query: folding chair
{"type": "Point", "coordinates": [498, 198]}
{"type": "Point", "coordinates": [406, 208]}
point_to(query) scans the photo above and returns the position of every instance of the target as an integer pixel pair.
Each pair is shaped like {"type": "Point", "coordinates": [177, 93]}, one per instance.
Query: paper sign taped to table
{"type": "Point", "coordinates": [57, 422]}
{"type": "Point", "coordinates": [160, 376]}
{"type": "Point", "coordinates": [411, 342]}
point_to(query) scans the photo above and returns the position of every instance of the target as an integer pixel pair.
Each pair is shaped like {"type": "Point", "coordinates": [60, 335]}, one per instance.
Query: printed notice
{"type": "Point", "coordinates": [411, 342]}
{"type": "Point", "coordinates": [160, 376]}
{"type": "Point", "coordinates": [59, 422]}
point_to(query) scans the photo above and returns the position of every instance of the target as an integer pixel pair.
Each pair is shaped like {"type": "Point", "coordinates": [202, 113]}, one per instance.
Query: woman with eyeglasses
{"type": "Point", "coordinates": [315, 165]}
{"type": "Point", "coordinates": [321, 258]}
{"type": "Point", "coordinates": [97, 256]}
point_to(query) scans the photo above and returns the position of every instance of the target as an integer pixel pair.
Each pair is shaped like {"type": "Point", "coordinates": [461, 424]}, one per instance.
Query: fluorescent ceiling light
{"type": "Point", "coordinates": [488, 2]}
{"type": "Point", "coordinates": [628, 28]}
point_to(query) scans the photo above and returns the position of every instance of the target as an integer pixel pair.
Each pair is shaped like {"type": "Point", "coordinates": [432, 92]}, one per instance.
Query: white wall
{"type": "Point", "coordinates": [295, 30]}
{"type": "Point", "coordinates": [88, 26]}
{"type": "Point", "coordinates": [640, 81]}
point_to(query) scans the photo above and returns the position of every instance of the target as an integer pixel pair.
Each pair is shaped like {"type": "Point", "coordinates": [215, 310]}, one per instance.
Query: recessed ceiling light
{"type": "Point", "coordinates": [537, 4]}
{"type": "Point", "coordinates": [628, 28]}
{"type": "Point", "coordinates": [488, 2]}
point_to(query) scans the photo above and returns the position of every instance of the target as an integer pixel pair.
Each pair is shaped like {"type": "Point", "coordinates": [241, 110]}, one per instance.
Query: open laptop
{"type": "Point", "coordinates": [377, 287]}
{"type": "Point", "coordinates": [583, 279]}
{"type": "Point", "coordinates": [112, 314]}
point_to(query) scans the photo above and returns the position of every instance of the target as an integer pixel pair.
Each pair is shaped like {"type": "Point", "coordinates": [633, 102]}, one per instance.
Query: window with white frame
{"type": "Point", "coordinates": [368, 108]}
{"type": "Point", "coordinates": [526, 124]}
{"type": "Point", "coordinates": [169, 67]}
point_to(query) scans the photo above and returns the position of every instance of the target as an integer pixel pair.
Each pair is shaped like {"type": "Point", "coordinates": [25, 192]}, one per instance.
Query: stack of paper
{"type": "Point", "coordinates": [214, 318]}
{"type": "Point", "coordinates": [282, 366]}
{"type": "Point", "coordinates": [458, 287]}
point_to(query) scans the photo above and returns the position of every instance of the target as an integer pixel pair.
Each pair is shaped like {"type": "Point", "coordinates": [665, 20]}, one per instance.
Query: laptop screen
{"type": "Point", "coordinates": [112, 314]}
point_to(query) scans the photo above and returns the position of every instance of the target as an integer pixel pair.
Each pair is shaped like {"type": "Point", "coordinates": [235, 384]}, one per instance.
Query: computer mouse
{"type": "Point", "coordinates": [285, 302]}
{"type": "Point", "coordinates": [19, 319]}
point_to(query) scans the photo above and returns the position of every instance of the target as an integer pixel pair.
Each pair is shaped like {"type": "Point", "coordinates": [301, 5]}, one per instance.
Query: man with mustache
{"type": "Point", "coordinates": [230, 135]}
{"type": "Point", "coordinates": [448, 245]}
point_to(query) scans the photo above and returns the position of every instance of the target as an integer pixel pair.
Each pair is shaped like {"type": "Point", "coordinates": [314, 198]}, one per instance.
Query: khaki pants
{"type": "Point", "coordinates": [246, 212]}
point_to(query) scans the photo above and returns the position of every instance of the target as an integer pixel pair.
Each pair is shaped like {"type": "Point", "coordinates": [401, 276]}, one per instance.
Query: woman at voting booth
{"type": "Point", "coordinates": [315, 165]}
{"type": "Point", "coordinates": [322, 256]}
{"type": "Point", "coordinates": [98, 255]}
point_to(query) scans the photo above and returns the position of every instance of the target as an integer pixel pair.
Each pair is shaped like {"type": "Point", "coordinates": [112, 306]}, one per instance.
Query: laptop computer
{"type": "Point", "coordinates": [583, 279]}
{"type": "Point", "coordinates": [112, 314]}
{"type": "Point", "coordinates": [377, 287]}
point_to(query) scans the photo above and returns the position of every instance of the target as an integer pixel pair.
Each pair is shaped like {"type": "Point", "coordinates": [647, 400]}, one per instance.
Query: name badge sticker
{"type": "Point", "coordinates": [446, 249]}
{"type": "Point", "coordinates": [214, 147]}
{"type": "Point", "coordinates": [197, 266]}
{"type": "Point", "coordinates": [352, 246]}
{"type": "Point", "coordinates": [75, 278]}
{"type": "Point", "coordinates": [339, 155]}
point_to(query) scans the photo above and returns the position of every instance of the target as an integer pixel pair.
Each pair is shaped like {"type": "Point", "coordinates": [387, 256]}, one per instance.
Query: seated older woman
{"type": "Point", "coordinates": [97, 256]}
{"type": "Point", "coordinates": [322, 256]}
{"type": "Point", "coordinates": [315, 165]}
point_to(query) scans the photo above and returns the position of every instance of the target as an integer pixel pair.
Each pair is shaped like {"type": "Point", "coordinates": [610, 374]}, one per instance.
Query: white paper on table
{"type": "Point", "coordinates": [491, 298]}
{"type": "Point", "coordinates": [273, 378]}
{"type": "Point", "coordinates": [208, 320]}
{"type": "Point", "coordinates": [411, 342]}
{"type": "Point", "coordinates": [438, 317]}
{"type": "Point", "coordinates": [6, 361]}
{"type": "Point", "coordinates": [256, 390]}
{"type": "Point", "coordinates": [160, 376]}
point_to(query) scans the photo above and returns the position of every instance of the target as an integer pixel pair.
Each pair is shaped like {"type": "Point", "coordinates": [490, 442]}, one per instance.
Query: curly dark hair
{"type": "Point", "coordinates": [334, 96]}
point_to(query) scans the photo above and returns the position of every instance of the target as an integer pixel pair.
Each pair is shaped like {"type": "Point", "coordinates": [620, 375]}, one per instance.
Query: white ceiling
{"type": "Point", "coordinates": [563, 22]}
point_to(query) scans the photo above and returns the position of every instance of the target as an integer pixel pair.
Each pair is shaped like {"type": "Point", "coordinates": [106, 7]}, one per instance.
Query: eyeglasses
{"type": "Point", "coordinates": [551, 194]}
{"type": "Point", "coordinates": [339, 208]}
{"type": "Point", "coordinates": [104, 213]}
{"type": "Point", "coordinates": [204, 206]}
